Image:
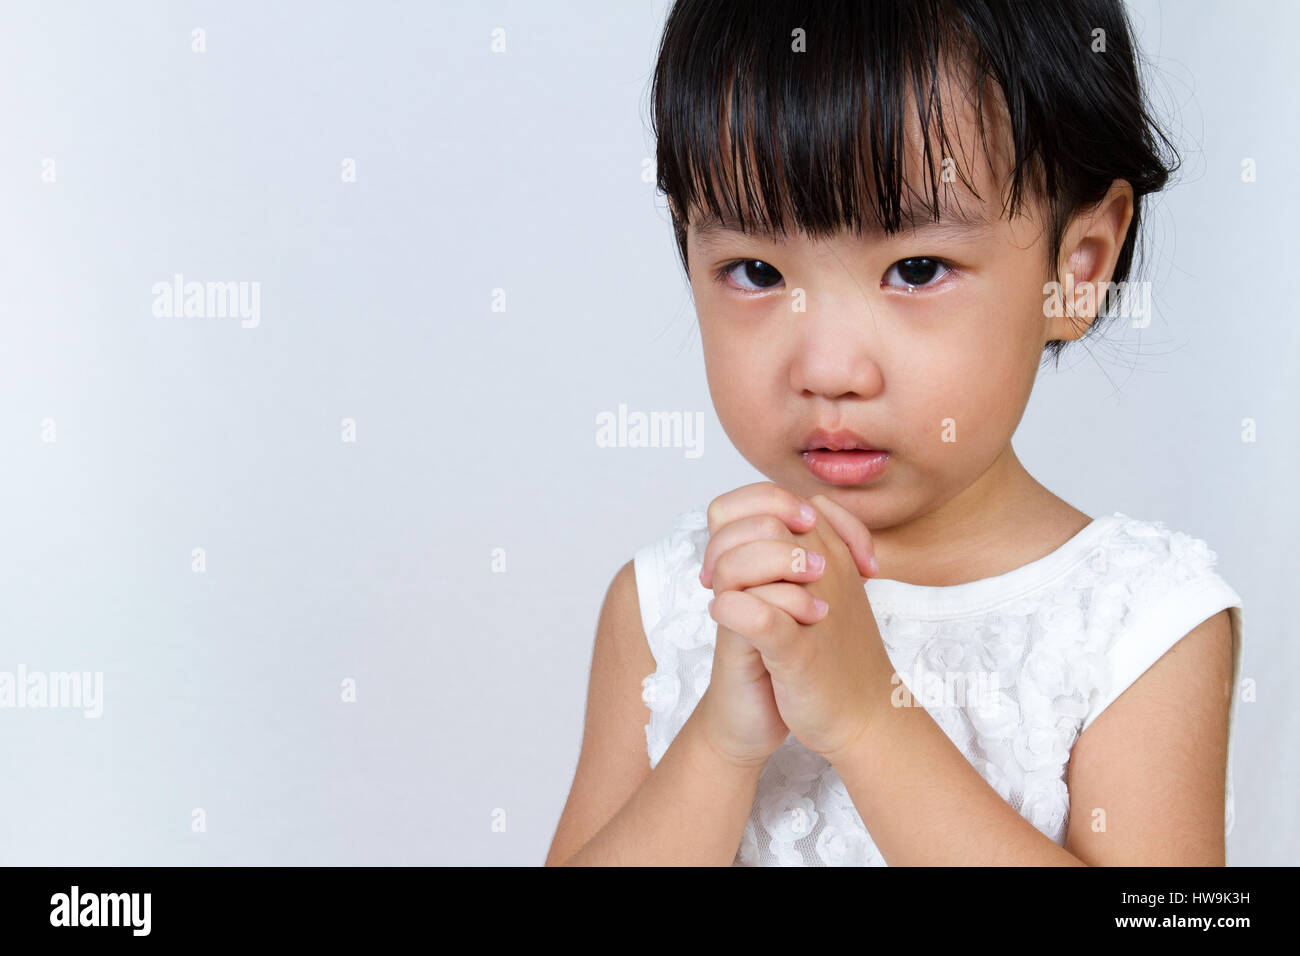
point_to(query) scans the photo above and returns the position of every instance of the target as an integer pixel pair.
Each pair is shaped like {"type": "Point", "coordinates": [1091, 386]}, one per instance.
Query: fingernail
{"type": "Point", "coordinates": [815, 561]}
{"type": "Point", "coordinates": [820, 605]}
{"type": "Point", "coordinates": [808, 513]}
{"type": "Point", "coordinates": [875, 565]}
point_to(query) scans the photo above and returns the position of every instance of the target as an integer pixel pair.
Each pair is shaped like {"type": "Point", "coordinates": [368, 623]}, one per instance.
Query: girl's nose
{"type": "Point", "coordinates": [835, 359]}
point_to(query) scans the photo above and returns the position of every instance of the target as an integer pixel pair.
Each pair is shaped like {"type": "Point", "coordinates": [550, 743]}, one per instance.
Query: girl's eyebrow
{"type": "Point", "coordinates": [712, 229]}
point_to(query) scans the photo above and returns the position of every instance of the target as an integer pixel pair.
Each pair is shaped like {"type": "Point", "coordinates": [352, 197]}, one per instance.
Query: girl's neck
{"type": "Point", "coordinates": [1002, 521]}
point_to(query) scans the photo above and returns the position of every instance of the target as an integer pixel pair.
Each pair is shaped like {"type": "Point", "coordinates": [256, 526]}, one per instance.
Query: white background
{"type": "Point", "coordinates": [475, 429]}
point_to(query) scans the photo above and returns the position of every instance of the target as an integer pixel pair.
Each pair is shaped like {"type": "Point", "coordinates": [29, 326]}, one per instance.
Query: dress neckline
{"type": "Point", "coordinates": [970, 597]}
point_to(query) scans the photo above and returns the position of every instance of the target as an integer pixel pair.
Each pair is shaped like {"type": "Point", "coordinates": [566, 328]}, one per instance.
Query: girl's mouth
{"type": "Point", "coordinates": [849, 467]}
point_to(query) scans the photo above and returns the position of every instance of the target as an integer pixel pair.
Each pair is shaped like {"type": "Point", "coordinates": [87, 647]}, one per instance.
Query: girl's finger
{"type": "Point", "coordinates": [752, 563]}
{"type": "Point", "coordinates": [752, 528]}
{"type": "Point", "coordinates": [851, 531]}
{"type": "Point", "coordinates": [767, 627]}
{"type": "Point", "coordinates": [795, 599]}
{"type": "Point", "coordinates": [762, 497]}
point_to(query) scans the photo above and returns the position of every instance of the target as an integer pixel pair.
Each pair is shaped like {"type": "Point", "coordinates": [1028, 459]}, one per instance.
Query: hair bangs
{"type": "Point", "coordinates": [757, 131]}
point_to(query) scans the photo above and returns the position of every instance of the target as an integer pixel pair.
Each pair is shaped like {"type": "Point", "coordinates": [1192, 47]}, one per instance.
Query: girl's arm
{"type": "Point", "coordinates": [1153, 764]}
{"type": "Point", "coordinates": [1147, 776]}
{"type": "Point", "coordinates": [689, 810]}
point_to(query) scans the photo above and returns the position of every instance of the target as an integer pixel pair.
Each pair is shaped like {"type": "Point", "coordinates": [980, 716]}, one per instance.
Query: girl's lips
{"type": "Point", "coordinates": [845, 467]}
{"type": "Point", "coordinates": [839, 440]}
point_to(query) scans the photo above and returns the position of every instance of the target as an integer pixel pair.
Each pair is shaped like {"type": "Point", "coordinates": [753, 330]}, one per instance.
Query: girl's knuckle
{"type": "Point", "coordinates": [722, 567]}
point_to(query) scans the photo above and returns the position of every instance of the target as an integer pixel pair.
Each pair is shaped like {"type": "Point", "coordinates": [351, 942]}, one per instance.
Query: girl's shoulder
{"type": "Point", "coordinates": [1154, 584]}
{"type": "Point", "coordinates": [1149, 586]}
{"type": "Point", "coordinates": [1148, 552]}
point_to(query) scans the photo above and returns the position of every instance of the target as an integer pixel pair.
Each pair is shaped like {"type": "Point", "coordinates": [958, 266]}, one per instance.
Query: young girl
{"type": "Point", "coordinates": [903, 649]}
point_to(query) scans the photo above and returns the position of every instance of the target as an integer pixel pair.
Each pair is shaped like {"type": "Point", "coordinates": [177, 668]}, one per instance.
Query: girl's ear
{"type": "Point", "coordinates": [1089, 251]}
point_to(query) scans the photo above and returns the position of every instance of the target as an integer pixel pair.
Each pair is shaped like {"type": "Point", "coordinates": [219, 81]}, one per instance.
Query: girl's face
{"type": "Point", "coordinates": [926, 343]}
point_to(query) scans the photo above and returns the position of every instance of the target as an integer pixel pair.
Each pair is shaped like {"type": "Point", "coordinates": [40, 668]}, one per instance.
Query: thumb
{"type": "Point", "coordinates": [851, 531]}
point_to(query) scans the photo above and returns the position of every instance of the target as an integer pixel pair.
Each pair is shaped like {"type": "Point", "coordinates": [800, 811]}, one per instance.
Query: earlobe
{"type": "Point", "coordinates": [1069, 327]}
{"type": "Point", "coordinates": [1069, 307]}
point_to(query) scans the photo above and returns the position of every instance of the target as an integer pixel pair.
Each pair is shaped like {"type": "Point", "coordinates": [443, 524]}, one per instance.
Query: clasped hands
{"type": "Point", "coordinates": [788, 578]}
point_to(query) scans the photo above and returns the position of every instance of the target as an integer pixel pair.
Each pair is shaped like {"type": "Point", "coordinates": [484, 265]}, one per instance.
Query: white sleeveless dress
{"type": "Point", "coordinates": [1065, 635]}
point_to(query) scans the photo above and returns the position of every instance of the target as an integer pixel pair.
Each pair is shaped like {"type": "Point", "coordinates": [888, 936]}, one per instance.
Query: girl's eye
{"type": "Point", "coordinates": [916, 272]}
{"type": "Point", "coordinates": [753, 270]}
{"type": "Point", "coordinates": [919, 271]}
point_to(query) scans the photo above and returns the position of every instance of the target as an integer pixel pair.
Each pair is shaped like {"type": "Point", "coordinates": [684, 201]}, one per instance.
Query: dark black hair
{"type": "Point", "coordinates": [818, 134]}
